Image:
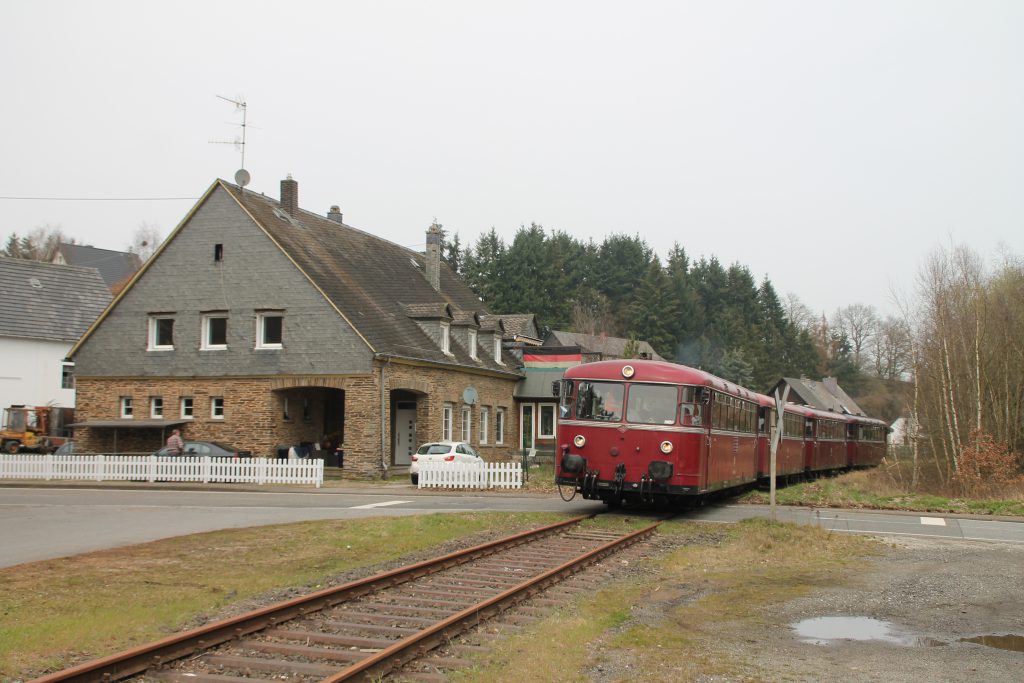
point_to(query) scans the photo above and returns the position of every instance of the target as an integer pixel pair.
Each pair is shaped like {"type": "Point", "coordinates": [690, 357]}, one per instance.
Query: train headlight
{"type": "Point", "coordinates": [579, 441]}
{"type": "Point", "coordinates": [666, 447]}
{"type": "Point", "coordinates": [628, 371]}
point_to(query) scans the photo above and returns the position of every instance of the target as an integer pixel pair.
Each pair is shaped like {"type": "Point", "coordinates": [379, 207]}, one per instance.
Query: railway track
{"type": "Point", "coordinates": [365, 629]}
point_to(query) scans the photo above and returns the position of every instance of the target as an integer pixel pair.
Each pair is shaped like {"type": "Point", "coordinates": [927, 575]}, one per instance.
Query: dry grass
{"type": "Point", "coordinates": [58, 612]}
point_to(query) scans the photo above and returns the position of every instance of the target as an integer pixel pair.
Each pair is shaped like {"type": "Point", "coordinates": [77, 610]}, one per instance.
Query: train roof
{"type": "Point", "coordinates": [656, 371]}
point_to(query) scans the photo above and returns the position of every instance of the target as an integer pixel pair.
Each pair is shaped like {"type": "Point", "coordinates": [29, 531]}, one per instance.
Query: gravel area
{"type": "Point", "coordinates": [930, 593]}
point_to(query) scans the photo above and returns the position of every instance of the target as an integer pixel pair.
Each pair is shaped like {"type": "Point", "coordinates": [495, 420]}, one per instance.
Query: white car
{"type": "Point", "coordinates": [441, 451]}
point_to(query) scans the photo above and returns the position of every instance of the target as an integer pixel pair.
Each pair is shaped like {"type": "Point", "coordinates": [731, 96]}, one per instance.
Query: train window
{"type": "Point", "coordinates": [652, 404]}
{"type": "Point", "coordinates": [689, 406]}
{"type": "Point", "coordinates": [565, 398]}
{"type": "Point", "coordinates": [599, 401]}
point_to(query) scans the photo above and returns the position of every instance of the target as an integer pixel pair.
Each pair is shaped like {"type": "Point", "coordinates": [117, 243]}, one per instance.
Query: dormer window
{"type": "Point", "coordinates": [446, 339]}
{"type": "Point", "coordinates": [472, 344]}
{"type": "Point", "coordinates": [497, 349]}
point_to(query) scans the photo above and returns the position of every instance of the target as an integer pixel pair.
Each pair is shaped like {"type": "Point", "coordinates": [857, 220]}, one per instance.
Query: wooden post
{"type": "Point", "coordinates": [780, 404]}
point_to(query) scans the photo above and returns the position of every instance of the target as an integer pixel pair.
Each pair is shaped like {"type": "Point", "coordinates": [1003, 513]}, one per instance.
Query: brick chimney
{"type": "Point", "coordinates": [335, 214]}
{"type": "Point", "coordinates": [433, 256]}
{"type": "Point", "coordinates": [290, 196]}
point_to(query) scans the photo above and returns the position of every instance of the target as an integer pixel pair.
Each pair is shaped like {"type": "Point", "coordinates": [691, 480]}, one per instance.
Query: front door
{"type": "Point", "coordinates": [526, 426]}
{"type": "Point", "coordinates": [405, 432]}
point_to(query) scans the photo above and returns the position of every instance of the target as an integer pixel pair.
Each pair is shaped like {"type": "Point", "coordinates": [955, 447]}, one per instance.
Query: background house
{"type": "Point", "coordinates": [600, 347]}
{"type": "Point", "coordinates": [823, 395]}
{"type": "Point", "coordinates": [115, 267]}
{"type": "Point", "coordinates": [263, 325]}
{"type": "Point", "coordinates": [45, 309]}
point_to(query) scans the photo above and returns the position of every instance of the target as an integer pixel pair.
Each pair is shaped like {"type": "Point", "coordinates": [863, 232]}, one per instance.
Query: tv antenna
{"type": "Point", "coordinates": [242, 176]}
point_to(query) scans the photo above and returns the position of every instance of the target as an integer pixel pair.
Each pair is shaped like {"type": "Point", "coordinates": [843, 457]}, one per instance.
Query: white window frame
{"type": "Point", "coordinates": [472, 344]}
{"type": "Point", "coordinates": [467, 423]}
{"type": "Point", "coordinates": [447, 415]}
{"type": "Point", "coordinates": [156, 407]}
{"type": "Point", "coordinates": [152, 334]}
{"type": "Point", "coordinates": [187, 407]}
{"type": "Point", "coordinates": [541, 408]}
{"type": "Point", "coordinates": [261, 319]}
{"type": "Point", "coordinates": [207, 329]}
{"type": "Point", "coordinates": [216, 407]}
{"type": "Point", "coordinates": [67, 375]}
{"type": "Point", "coordinates": [127, 408]}
{"type": "Point", "coordinates": [499, 426]}
{"type": "Point", "coordinates": [497, 349]}
{"type": "Point", "coordinates": [446, 339]}
{"type": "Point", "coordinates": [485, 417]}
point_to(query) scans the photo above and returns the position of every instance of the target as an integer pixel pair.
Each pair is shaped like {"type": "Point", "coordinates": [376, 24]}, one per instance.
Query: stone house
{"type": "Point", "coordinates": [264, 326]}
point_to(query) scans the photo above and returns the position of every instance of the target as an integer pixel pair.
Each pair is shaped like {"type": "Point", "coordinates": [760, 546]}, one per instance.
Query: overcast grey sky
{"type": "Point", "coordinates": [829, 145]}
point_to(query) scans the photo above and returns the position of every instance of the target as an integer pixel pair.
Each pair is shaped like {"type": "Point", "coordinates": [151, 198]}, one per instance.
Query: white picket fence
{"type": "Point", "coordinates": [470, 475]}
{"type": "Point", "coordinates": [151, 468]}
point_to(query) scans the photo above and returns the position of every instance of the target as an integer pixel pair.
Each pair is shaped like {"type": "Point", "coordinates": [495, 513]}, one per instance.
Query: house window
{"type": "Point", "coordinates": [67, 376]}
{"type": "Point", "coordinates": [269, 330]}
{"type": "Point", "coordinates": [156, 407]}
{"type": "Point", "coordinates": [546, 426]}
{"type": "Point", "coordinates": [218, 252]}
{"type": "Point", "coordinates": [446, 339]}
{"type": "Point", "coordinates": [467, 423]}
{"type": "Point", "coordinates": [161, 333]}
{"type": "Point", "coordinates": [472, 344]}
{"type": "Point", "coordinates": [485, 417]}
{"type": "Point", "coordinates": [217, 408]}
{"type": "Point", "coordinates": [215, 331]}
{"type": "Point", "coordinates": [127, 410]}
{"type": "Point", "coordinates": [499, 426]}
{"type": "Point", "coordinates": [497, 349]}
{"type": "Point", "coordinates": [284, 409]}
{"type": "Point", "coordinates": [446, 422]}
{"type": "Point", "coordinates": [187, 408]}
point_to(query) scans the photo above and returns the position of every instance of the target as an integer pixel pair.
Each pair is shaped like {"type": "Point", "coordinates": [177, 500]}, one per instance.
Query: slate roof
{"type": "Point", "coordinates": [49, 301]}
{"type": "Point", "coordinates": [610, 347]}
{"type": "Point", "coordinates": [826, 395]}
{"type": "Point", "coordinates": [115, 266]}
{"type": "Point", "coordinates": [379, 286]}
{"type": "Point", "coordinates": [519, 325]}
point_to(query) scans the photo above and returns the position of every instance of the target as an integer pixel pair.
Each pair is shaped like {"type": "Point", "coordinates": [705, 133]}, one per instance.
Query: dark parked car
{"type": "Point", "coordinates": [210, 448]}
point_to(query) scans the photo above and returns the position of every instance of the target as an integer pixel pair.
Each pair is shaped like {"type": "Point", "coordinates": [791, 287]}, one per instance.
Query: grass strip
{"type": "Point", "coordinates": [674, 618]}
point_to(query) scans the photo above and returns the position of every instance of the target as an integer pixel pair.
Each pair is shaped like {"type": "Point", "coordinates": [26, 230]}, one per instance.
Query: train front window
{"type": "Point", "coordinates": [651, 404]}
{"type": "Point", "coordinates": [599, 401]}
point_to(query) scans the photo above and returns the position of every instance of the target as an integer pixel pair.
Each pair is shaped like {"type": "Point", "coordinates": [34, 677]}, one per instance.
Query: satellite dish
{"type": "Point", "coordinates": [242, 177]}
{"type": "Point", "coordinates": [469, 396]}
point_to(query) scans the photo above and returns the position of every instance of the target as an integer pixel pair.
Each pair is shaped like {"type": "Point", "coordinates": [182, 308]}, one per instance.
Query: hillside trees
{"type": "Point", "coordinates": [699, 313]}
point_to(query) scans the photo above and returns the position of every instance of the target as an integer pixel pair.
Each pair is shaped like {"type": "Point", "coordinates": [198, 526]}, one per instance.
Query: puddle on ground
{"type": "Point", "coordinates": [1013, 643]}
{"type": "Point", "coordinates": [829, 630]}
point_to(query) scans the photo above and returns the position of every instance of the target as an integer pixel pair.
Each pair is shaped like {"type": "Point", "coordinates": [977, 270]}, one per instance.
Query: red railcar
{"type": "Point", "coordinates": [650, 431]}
{"type": "Point", "coordinates": [790, 454]}
{"type": "Point", "coordinates": [866, 441]}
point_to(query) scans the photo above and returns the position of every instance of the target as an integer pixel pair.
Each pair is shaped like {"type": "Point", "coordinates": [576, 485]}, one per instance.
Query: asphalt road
{"type": "Point", "coordinates": [53, 521]}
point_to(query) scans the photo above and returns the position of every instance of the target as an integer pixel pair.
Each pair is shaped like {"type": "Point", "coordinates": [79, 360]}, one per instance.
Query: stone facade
{"type": "Point", "coordinates": [265, 414]}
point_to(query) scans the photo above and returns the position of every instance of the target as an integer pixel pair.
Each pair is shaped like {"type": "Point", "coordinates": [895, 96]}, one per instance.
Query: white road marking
{"type": "Point", "coordinates": [378, 505]}
{"type": "Point", "coordinates": [933, 521]}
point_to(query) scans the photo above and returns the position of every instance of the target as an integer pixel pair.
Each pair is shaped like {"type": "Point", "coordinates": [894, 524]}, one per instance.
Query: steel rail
{"type": "Point", "coordinates": [415, 645]}
{"type": "Point", "coordinates": [135, 660]}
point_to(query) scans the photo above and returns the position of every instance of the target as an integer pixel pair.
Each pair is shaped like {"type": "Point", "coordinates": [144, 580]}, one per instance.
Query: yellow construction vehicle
{"type": "Point", "coordinates": [28, 428]}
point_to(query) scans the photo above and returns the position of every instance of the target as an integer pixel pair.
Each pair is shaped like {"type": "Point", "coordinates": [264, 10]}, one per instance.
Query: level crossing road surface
{"type": "Point", "coordinates": [53, 521]}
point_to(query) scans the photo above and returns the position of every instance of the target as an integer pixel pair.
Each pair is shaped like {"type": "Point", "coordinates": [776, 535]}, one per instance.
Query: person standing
{"type": "Point", "coordinates": [174, 443]}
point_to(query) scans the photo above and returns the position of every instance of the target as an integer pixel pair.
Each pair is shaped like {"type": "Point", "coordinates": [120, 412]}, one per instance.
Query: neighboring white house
{"type": "Point", "coordinates": [44, 309]}
{"type": "Point", "coordinates": [903, 431]}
